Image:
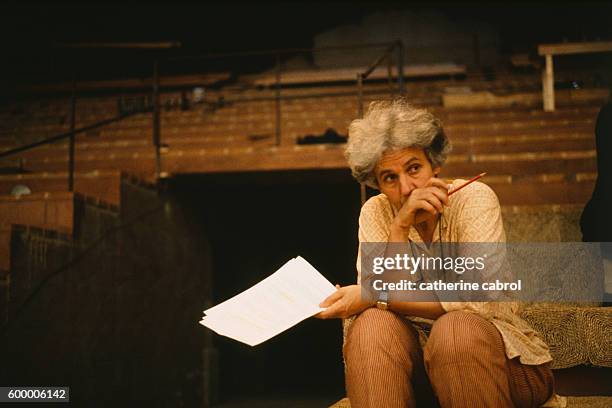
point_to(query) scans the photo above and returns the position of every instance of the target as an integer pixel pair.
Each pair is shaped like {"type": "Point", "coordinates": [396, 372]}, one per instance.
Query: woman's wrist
{"type": "Point", "coordinates": [397, 232]}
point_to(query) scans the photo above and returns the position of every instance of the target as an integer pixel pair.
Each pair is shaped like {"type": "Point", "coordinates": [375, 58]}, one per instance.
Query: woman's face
{"type": "Point", "coordinates": [400, 171]}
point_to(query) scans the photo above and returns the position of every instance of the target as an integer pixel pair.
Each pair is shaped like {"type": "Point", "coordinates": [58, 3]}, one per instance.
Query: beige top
{"type": "Point", "coordinates": [473, 215]}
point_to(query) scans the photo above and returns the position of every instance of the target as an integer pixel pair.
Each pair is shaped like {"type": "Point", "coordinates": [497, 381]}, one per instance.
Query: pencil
{"type": "Point", "coordinates": [466, 183]}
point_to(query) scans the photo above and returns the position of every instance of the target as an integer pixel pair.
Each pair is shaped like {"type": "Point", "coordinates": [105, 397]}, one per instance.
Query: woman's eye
{"type": "Point", "coordinates": [389, 179]}
{"type": "Point", "coordinates": [414, 168]}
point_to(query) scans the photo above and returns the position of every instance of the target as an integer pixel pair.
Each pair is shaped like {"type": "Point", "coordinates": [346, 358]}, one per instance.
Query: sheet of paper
{"type": "Point", "coordinates": [278, 302]}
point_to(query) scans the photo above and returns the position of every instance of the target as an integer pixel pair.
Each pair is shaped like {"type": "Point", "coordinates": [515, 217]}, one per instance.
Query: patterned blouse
{"type": "Point", "coordinates": [473, 215]}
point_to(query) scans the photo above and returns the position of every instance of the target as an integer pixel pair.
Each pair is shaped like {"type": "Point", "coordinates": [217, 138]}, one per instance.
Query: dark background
{"type": "Point", "coordinates": [257, 222]}
{"type": "Point", "coordinates": [30, 33]}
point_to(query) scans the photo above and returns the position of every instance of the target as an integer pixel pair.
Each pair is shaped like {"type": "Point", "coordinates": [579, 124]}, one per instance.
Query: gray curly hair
{"type": "Point", "coordinates": [393, 125]}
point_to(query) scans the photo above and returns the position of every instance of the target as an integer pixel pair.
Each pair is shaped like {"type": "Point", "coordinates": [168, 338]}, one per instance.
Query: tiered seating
{"type": "Point", "coordinates": [78, 268]}
{"type": "Point", "coordinates": [527, 147]}
{"type": "Point", "coordinates": [57, 212]}
{"type": "Point", "coordinates": [51, 209]}
{"type": "Point", "coordinates": [531, 157]}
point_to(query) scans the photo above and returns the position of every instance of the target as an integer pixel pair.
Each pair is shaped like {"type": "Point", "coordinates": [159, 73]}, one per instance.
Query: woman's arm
{"type": "Point", "coordinates": [398, 232]}
{"type": "Point", "coordinates": [347, 301]}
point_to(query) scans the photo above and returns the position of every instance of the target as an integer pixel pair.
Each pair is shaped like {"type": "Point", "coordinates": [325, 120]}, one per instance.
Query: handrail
{"type": "Point", "coordinates": [72, 137]}
{"type": "Point", "coordinates": [156, 119]}
{"type": "Point", "coordinates": [385, 56]}
{"type": "Point", "coordinates": [376, 63]}
{"type": "Point", "coordinates": [66, 135]}
{"type": "Point", "coordinates": [155, 108]}
{"type": "Point", "coordinates": [73, 99]}
{"type": "Point", "coordinates": [364, 75]}
{"type": "Point", "coordinates": [278, 66]}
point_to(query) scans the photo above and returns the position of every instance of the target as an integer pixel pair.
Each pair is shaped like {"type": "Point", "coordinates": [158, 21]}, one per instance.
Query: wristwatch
{"type": "Point", "coordinates": [383, 300]}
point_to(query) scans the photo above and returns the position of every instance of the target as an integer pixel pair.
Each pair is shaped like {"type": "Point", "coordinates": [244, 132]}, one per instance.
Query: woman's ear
{"type": "Point", "coordinates": [436, 171]}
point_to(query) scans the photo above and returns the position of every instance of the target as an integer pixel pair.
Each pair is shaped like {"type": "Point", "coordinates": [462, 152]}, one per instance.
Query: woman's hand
{"type": "Point", "coordinates": [343, 303]}
{"type": "Point", "coordinates": [422, 203]}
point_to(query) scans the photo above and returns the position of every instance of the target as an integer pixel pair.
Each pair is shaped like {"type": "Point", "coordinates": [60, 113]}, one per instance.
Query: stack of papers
{"type": "Point", "coordinates": [282, 300]}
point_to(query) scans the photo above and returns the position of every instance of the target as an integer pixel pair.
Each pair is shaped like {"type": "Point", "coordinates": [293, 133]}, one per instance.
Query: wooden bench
{"type": "Point", "coordinates": [549, 50]}
{"type": "Point", "coordinates": [140, 165]}
{"type": "Point", "coordinates": [503, 138]}
{"type": "Point", "coordinates": [522, 100]}
{"type": "Point", "coordinates": [350, 74]}
{"type": "Point", "coordinates": [306, 117]}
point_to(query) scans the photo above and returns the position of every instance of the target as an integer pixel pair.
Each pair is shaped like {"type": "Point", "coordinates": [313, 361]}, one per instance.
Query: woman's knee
{"type": "Point", "coordinates": [379, 331]}
{"type": "Point", "coordinates": [530, 386]}
{"type": "Point", "coordinates": [461, 334]}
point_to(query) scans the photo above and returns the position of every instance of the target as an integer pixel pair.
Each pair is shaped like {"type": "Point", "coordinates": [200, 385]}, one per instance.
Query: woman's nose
{"type": "Point", "coordinates": [406, 185]}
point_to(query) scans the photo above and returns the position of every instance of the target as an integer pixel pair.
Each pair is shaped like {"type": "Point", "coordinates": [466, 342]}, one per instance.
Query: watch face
{"type": "Point", "coordinates": [382, 305]}
{"type": "Point", "coordinates": [383, 300]}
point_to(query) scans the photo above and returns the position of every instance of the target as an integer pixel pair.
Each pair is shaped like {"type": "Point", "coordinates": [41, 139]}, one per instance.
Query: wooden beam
{"type": "Point", "coordinates": [575, 48]}
{"type": "Point", "coordinates": [548, 50]}
{"type": "Point", "coordinates": [134, 45]}
{"type": "Point", "coordinates": [548, 85]}
{"type": "Point", "coordinates": [348, 74]}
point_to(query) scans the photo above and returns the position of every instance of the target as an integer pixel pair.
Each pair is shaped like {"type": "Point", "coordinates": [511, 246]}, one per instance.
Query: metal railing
{"type": "Point", "coordinates": [71, 134]}
{"type": "Point", "coordinates": [278, 70]}
{"type": "Point", "coordinates": [361, 76]}
{"type": "Point", "coordinates": [155, 106]}
{"type": "Point", "coordinates": [68, 135]}
{"type": "Point", "coordinates": [386, 56]}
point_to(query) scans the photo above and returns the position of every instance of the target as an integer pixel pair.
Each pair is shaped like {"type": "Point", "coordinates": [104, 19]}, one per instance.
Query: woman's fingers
{"type": "Point", "coordinates": [331, 299]}
{"type": "Point", "coordinates": [426, 206]}
{"type": "Point", "coordinates": [439, 188]}
{"type": "Point", "coordinates": [441, 194]}
{"type": "Point", "coordinates": [433, 201]}
{"type": "Point", "coordinates": [329, 313]}
{"type": "Point", "coordinates": [348, 304]}
{"type": "Point", "coordinates": [334, 304]}
{"type": "Point", "coordinates": [437, 182]}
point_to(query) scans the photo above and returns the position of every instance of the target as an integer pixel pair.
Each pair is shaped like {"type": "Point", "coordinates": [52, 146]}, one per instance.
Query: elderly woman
{"type": "Point", "coordinates": [476, 354]}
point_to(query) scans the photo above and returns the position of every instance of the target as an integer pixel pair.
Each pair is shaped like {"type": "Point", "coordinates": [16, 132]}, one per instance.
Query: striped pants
{"type": "Point", "coordinates": [463, 365]}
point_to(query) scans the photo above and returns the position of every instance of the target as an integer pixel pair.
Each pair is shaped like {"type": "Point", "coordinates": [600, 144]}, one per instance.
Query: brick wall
{"type": "Point", "coordinates": [118, 321]}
